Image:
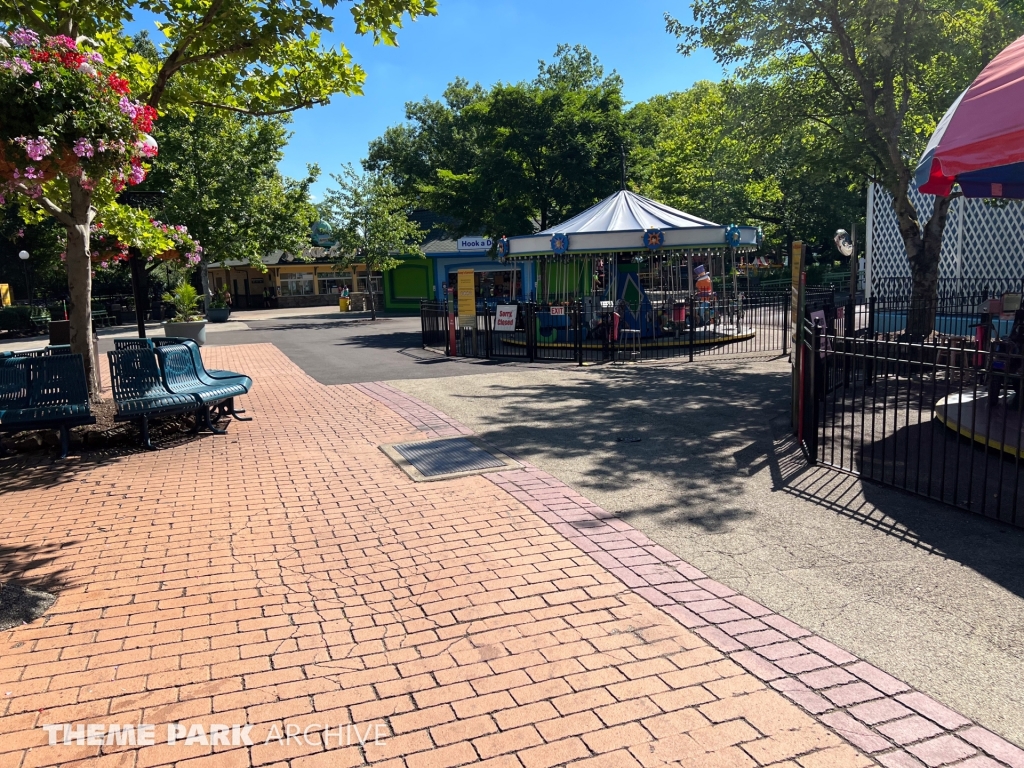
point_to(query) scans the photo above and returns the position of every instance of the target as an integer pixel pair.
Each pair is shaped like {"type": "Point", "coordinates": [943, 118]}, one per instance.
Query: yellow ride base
{"type": "Point", "coordinates": [644, 343]}
{"type": "Point", "coordinates": [969, 416]}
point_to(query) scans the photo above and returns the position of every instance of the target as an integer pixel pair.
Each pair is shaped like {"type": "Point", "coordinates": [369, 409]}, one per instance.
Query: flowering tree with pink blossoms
{"type": "Point", "coordinates": [71, 139]}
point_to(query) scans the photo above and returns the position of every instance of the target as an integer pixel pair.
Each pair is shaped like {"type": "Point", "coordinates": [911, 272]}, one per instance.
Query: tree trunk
{"type": "Point", "coordinates": [923, 250]}
{"type": "Point", "coordinates": [204, 274]}
{"type": "Point", "coordinates": [79, 267]}
{"type": "Point", "coordinates": [369, 290]}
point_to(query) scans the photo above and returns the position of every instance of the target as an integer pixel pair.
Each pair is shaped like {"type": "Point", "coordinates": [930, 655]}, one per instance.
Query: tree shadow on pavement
{"type": "Point", "coordinates": [987, 546]}
{"type": "Point", "coordinates": [39, 469]}
{"type": "Point", "coordinates": [695, 436]}
{"type": "Point", "coordinates": [30, 566]}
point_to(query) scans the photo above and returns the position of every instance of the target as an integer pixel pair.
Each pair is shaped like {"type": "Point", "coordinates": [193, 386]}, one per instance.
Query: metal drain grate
{"type": "Point", "coordinates": [447, 457]}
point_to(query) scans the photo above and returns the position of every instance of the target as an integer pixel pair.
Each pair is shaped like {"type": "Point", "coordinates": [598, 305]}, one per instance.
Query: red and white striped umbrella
{"type": "Point", "coordinates": [979, 143]}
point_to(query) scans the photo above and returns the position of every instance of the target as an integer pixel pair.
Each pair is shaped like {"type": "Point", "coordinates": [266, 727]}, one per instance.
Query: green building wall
{"type": "Point", "coordinates": [407, 284]}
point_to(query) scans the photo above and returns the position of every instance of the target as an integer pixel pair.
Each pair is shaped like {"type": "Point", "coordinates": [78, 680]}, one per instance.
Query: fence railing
{"type": "Point", "coordinates": [943, 419]}
{"type": "Point", "coordinates": [662, 326]}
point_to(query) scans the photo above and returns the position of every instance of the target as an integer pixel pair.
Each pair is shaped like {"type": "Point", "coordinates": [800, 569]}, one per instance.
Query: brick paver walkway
{"type": "Point", "coordinates": [289, 577]}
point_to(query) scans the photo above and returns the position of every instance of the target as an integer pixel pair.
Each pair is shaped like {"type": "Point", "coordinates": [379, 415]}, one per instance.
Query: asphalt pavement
{"type": "Point", "coordinates": [699, 457]}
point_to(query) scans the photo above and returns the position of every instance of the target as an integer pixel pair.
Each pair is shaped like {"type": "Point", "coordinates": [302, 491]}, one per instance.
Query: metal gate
{"type": "Point", "coordinates": [588, 331]}
{"type": "Point", "coordinates": [943, 419]}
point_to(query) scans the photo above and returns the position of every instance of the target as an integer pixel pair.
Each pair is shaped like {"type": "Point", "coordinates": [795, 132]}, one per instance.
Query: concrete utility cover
{"type": "Point", "coordinates": [447, 458]}
{"type": "Point", "coordinates": [19, 605]}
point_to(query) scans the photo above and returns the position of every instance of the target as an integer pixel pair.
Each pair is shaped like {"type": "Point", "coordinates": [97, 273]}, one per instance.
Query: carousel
{"type": "Point", "coordinates": [640, 269]}
{"type": "Point", "coordinates": [978, 150]}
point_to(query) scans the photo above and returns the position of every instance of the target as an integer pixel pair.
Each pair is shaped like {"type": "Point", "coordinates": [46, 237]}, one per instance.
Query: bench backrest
{"type": "Point", "coordinates": [178, 369]}
{"type": "Point", "coordinates": [133, 344]}
{"type": "Point", "coordinates": [163, 341]}
{"type": "Point", "coordinates": [134, 373]}
{"type": "Point", "coordinates": [13, 383]}
{"type": "Point", "coordinates": [197, 361]}
{"type": "Point", "coordinates": [58, 349]}
{"type": "Point", "coordinates": [57, 380]}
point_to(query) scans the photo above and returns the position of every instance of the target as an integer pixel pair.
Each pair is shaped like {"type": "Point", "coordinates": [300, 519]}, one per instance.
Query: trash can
{"type": "Point", "coordinates": [343, 304]}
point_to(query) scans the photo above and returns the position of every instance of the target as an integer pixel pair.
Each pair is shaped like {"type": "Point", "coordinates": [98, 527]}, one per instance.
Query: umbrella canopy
{"type": "Point", "coordinates": [620, 223]}
{"type": "Point", "coordinates": [979, 143]}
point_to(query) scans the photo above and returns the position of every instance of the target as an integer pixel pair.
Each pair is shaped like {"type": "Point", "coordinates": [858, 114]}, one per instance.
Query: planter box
{"type": "Point", "coordinates": [195, 331]}
{"type": "Point", "coordinates": [218, 314]}
{"type": "Point", "coordinates": [60, 331]}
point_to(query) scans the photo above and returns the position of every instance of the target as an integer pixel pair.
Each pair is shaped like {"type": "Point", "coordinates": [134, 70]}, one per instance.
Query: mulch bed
{"type": "Point", "coordinates": [104, 434]}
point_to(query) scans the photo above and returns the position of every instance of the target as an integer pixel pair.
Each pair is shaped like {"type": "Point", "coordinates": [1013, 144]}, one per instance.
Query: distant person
{"type": "Point", "coordinates": [266, 298]}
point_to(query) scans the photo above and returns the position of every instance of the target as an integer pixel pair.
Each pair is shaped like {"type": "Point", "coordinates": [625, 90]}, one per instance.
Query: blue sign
{"type": "Point", "coordinates": [654, 239]}
{"type": "Point", "coordinates": [502, 247]}
{"type": "Point", "coordinates": [733, 236]}
{"type": "Point", "coordinates": [559, 244]}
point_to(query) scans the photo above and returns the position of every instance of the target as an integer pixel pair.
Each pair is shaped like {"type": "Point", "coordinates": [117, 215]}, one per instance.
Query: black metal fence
{"type": "Point", "coordinates": [943, 418]}
{"type": "Point", "coordinates": [664, 326]}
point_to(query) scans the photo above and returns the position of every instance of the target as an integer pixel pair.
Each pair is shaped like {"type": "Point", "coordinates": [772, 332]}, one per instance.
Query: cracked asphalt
{"type": "Point", "coordinates": [930, 594]}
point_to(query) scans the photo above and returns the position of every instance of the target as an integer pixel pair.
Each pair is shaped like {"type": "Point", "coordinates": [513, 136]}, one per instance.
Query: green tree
{"type": "Point", "coordinates": [44, 243]}
{"type": "Point", "coordinates": [875, 74]}
{"type": "Point", "coordinates": [255, 56]}
{"type": "Point", "coordinates": [252, 56]}
{"type": "Point", "coordinates": [220, 172]}
{"type": "Point", "coordinates": [516, 157]}
{"type": "Point", "coordinates": [723, 152]}
{"type": "Point", "coordinates": [371, 219]}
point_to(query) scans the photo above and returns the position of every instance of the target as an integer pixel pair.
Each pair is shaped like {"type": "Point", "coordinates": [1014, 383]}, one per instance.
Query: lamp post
{"type": "Point", "coordinates": [142, 201]}
{"type": "Point", "coordinates": [23, 255]}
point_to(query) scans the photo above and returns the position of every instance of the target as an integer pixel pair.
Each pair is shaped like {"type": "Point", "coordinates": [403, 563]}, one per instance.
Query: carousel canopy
{"type": "Point", "coordinates": [979, 143]}
{"type": "Point", "coordinates": [629, 222]}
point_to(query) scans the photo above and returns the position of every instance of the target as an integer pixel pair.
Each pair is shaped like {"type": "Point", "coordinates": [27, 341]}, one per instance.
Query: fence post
{"type": "Point", "coordinates": [693, 324]}
{"type": "Point", "coordinates": [812, 374]}
{"type": "Point", "coordinates": [488, 336]}
{"type": "Point", "coordinates": [784, 302]}
{"type": "Point", "coordinates": [798, 348]}
{"type": "Point", "coordinates": [578, 323]}
{"type": "Point", "coordinates": [531, 331]}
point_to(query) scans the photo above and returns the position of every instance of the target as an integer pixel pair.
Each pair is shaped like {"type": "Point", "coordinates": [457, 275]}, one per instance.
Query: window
{"type": "Point", "coordinates": [375, 282]}
{"type": "Point", "coordinates": [296, 283]}
{"type": "Point", "coordinates": [334, 282]}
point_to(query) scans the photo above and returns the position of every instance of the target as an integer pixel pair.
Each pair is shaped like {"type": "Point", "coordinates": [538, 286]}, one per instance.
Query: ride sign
{"type": "Point", "coordinates": [505, 317]}
{"type": "Point", "coordinates": [467, 298]}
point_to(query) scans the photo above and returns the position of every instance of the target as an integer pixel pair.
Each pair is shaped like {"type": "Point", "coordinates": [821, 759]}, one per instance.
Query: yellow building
{"type": "Point", "coordinates": [309, 281]}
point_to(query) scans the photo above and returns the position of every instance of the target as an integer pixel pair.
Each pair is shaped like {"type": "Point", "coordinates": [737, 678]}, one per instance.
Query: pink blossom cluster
{"type": "Point", "coordinates": [129, 107]}
{"type": "Point", "coordinates": [83, 148]}
{"type": "Point", "coordinates": [36, 148]}
{"type": "Point", "coordinates": [25, 37]}
{"type": "Point", "coordinates": [18, 63]}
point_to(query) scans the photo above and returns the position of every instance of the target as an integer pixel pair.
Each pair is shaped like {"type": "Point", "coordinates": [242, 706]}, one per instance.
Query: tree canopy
{"type": "Point", "coordinates": [727, 152]}
{"type": "Point", "coordinates": [370, 218]}
{"type": "Point", "coordinates": [219, 171]}
{"type": "Point", "coordinates": [876, 75]}
{"type": "Point", "coordinates": [516, 157]}
{"type": "Point", "coordinates": [257, 56]}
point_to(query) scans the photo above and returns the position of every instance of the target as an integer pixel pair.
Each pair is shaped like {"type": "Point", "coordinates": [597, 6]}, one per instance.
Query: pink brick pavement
{"type": "Point", "coordinates": [875, 712]}
{"type": "Point", "coordinates": [287, 575]}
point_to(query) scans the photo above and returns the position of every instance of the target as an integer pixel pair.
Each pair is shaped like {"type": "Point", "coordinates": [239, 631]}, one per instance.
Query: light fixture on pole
{"type": "Point", "coordinates": [23, 255]}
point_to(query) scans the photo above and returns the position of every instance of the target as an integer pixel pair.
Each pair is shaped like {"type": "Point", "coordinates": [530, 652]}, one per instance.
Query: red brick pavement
{"type": "Point", "coordinates": [288, 576]}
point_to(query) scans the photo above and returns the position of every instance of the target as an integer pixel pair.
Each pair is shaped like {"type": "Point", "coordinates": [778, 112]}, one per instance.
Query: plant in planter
{"type": "Point", "coordinates": [220, 306]}
{"type": "Point", "coordinates": [187, 322]}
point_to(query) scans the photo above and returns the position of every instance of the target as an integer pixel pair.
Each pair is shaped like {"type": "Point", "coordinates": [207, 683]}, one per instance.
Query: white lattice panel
{"type": "Point", "coordinates": [993, 241]}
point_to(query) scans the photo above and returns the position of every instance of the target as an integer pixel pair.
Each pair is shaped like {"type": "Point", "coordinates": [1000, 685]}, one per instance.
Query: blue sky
{"type": "Point", "coordinates": [486, 41]}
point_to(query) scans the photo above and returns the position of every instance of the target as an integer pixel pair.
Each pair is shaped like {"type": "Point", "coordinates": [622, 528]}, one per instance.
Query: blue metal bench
{"type": "Point", "coordinates": [139, 391]}
{"type": "Point", "coordinates": [181, 377]}
{"type": "Point", "coordinates": [133, 344]}
{"type": "Point", "coordinates": [48, 392]}
{"type": "Point", "coordinates": [213, 377]}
